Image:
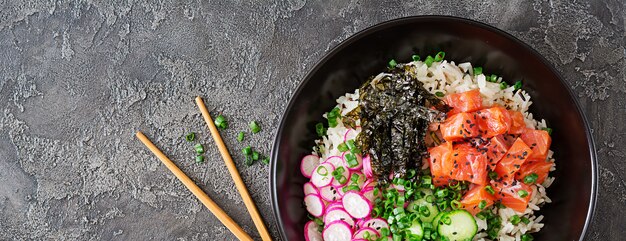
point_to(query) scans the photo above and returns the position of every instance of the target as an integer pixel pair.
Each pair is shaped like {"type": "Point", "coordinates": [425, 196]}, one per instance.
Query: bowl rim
{"type": "Point", "coordinates": [389, 23]}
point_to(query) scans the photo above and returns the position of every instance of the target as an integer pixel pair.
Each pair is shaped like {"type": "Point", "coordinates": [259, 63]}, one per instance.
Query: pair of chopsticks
{"type": "Point", "coordinates": [201, 195]}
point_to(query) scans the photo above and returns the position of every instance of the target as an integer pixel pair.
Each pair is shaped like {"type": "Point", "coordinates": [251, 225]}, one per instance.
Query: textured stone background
{"type": "Point", "coordinates": [77, 79]}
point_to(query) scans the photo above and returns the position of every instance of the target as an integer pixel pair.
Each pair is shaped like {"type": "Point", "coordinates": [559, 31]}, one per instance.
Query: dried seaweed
{"type": "Point", "coordinates": [395, 112]}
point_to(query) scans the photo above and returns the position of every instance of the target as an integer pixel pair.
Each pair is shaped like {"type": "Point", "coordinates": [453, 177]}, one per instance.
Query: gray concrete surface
{"type": "Point", "coordinates": [78, 78]}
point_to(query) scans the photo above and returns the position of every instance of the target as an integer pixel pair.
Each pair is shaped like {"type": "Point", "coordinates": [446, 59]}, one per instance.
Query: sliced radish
{"type": "Point", "coordinates": [322, 176]}
{"type": "Point", "coordinates": [336, 204]}
{"type": "Point", "coordinates": [309, 188]}
{"type": "Point", "coordinates": [359, 165]}
{"type": "Point", "coordinates": [360, 234]}
{"type": "Point", "coordinates": [339, 214]}
{"type": "Point", "coordinates": [356, 205]}
{"type": "Point", "coordinates": [314, 204]}
{"type": "Point", "coordinates": [376, 223]}
{"type": "Point", "coordinates": [350, 135]}
{"type": "Point", "coordinates": [308, 165]}
{"type": "Point", "coordinates": [343, 179]}
{"type": "Point", "coordinates": [335, 160]}
{"type": "Point", "coordinates": [312, 232]}
{"type": "Point", "coordinates": [372, 193]}
{"type": "Point", "coordinates": [330, 193]}
{"type": "Point", "coordinates": [367, 166]}
{"type": "Point", "coordinates": [337, 231]}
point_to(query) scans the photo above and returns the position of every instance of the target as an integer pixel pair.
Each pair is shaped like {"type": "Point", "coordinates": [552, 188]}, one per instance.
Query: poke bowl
{"type": "Point", "coordinates": [433, 128]}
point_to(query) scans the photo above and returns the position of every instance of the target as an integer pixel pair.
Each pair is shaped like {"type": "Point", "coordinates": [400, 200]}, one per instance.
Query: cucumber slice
{"type": "Point", "coordinates": [436, 220]}
{"type": "Point", "coordinates": [428, 215]}
{"type": "Point", "coordinates": [415, 232]}
{"type": "Point", "coordinates": [461, 226]}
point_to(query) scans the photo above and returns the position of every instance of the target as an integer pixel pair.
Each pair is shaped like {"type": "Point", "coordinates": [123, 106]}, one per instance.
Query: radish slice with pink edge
{"type": "Point", "coordinates": [335, 160]}
{"type": "Point", "coordinates": [312, 232]}
{"type": "Point", "coordinates": [376, 223]}
{"type": "Point", "coordinates": [337, 231]}
{"type": "Point", "coordinates": [314, 205]}
{"type": "Point", "coordinates": [360, 234]}
{"type": "Point", "coordinates": [330, 193]}
{"type": "Point", "coordinates": [361, 179]}
{"type": "Point", "coordinates": [400, 188]}
{"type": "Point", "coordinates": [335, 204]}
{"type": "Point", "coordinates": [339, 214]}
{"type": "Point", "coordinates": [308, 165]}
{"type": "Point", "coordinates": [309, 188]}
{"type": "Point", "coordinates": [343, 179]}
{"type": "Point", "coordinates": [356, 205]}
{"type": "Point", "coordinates": [372, 193]}
{"type": "Point", "coordinates": [322, 176]}
{"type": "Point", "coordinates": [367, 166]}
{"type": "Point", "coordinates": [351, 134]}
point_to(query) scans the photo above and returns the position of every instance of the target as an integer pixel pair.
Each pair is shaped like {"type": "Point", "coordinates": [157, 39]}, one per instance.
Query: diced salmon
{"type": "Point", "coordinates": [495, 149]}
{"type": "Point", "coordinates": [539, 167]}
{"type": "Point", "coordinates": [464, 102]}
{"type": "Point", "coordinates": [493, 121]}
{"type": "Point", "coordinates": [513, 159]}
{"type": "Point", "coordinates": [539, 141]}
{"type": "Point", "coordinates": [518, 126]}
{"type": "Point", "coordinates": [459, 126]}
{"type": "Point", "coordinates": [474, 196]}
{"type": "Point", "coordinates": [468, 164]}
{"type": "Point", "coordinates": [439, 163]}
{"type": "Point", "coordinates": [508, 193]}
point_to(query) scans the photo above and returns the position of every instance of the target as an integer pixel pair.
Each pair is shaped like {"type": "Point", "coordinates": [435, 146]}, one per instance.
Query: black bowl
{"type": "Point", "coordinates": [368, 52]}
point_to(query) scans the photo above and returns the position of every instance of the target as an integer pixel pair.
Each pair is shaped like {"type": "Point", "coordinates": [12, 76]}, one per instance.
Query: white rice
{"type": "Point", "coordinates": [448, 78]}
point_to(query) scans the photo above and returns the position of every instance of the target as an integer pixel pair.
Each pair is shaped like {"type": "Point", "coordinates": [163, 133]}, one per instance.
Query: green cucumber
{"type": "Point", "coordinates": [415, 232]}
{"type": "Point", "coordinates": [436, 220]}
{"type": "Point", "coordinates": [457, 225]}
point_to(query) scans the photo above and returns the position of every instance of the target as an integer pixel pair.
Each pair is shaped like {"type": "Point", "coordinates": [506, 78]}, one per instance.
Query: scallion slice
{"type": "Point", "coordinates": [254, 127]}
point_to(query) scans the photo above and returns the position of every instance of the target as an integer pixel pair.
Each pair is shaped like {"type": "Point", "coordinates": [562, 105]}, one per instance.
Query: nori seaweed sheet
{"type": "Point", "coordinates": [395, 113]}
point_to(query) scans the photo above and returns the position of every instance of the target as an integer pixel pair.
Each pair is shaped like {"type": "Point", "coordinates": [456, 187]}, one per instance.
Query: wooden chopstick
{"type": "Point", "coordinates": [201, 195]}
{"type": "Point", "coordinates": [243, 191]}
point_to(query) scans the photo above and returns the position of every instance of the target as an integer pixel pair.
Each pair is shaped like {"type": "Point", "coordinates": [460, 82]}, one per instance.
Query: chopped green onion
{"type": "Point", "coordinates": [415, 57]}
{"type": "Point", "coordinates": [490, 190]}
{"type": "Point", "coordinates": [247, 151]}
{"type": "Point", "coordinates": [481, 216]}
{"type": "Point", "coordinates": [525, 220]}
{"type": "Point", "coordinates": [322, 170]}
{"type": "Point", "coordinates": [319, 128]}
{"type": "Point", "coordinates": [478, 70]}
{"type": "Point", "coordinates": [515, 219]}
{"type": "Point", "coordinates": [351, 188]}
{"type": "Point", "coordinates": [482, 204]}
{"type": "Point", "coordinates": [351, 160]}
{"type": "Point", "coordinates": [549, 130]}
{"type": "Point", "coordinates": [454, 204]}
{"type": "Point", "coordinates": [518, 85]}
{"type": "Point", "coordinates": [522, 193]}
{"type": "Point", "coordinates": [493, 175]}
{"type": "Point", "coordinates": [527, 237]}
{"type": "Point", "coordinates": [190, 137]}
{"type": "Point", "coordinates": [492, 78]}
{"type": "Point", "coordinates": [255, 155]}
{"type": "Point", "coordinates": [199, 159]}
{"type": "Point", "coordinates": [384, 232]}
{"type": "Point", "coordinates": [429, 61]}
{"type": "Point", "coordinates": [504, 85]}
{"type": "Point", "coordinates": [332, 117]}
{"type": "Point", "coordinates": [392, 63]}
{"type": "Point", "coordinates": [531, 178]}
{"type": "Point", "coordinates": [440, 56]}
{"type": "Point", "coordinates": [342, 147]}
{"type": "Point", "coordinates": [266, 160]}
{"type": "Point", "coordinates": [439, 94]}
{"type": "Point", "coordinates": [199, 148]}
{"type": "Point", "coordinates": [248, 161]}
{"type": "Point", "coordinates": [446, 220]}
{"type": "Point", "coordinates": [221, 122]}
{"type": "Point", "coordinates": [240, 136]}
{"type": "Point", "coordinates": [254, 127]}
